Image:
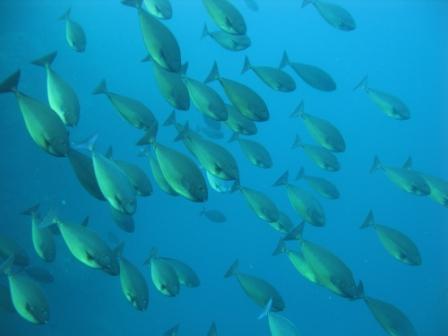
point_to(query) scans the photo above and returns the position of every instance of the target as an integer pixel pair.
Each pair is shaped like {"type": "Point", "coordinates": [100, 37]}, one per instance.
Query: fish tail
{"type": "Point", "coordinates": [65, 15]}
{"type": "Point", "coordinates": [49, 219]}
{"type": "Point", "coordinates": [375, 165]}
{"type": "Point", "coordinates": [235, 136]}
{"type": "Point", "coordinates": [147, 58]}
{"type": "Point", "coordinates": [182, 132]}
{"type": "Point", "coordinates": [233, 269]}
{"type": "Point", "coordinates": [306, 3]}
{"type": "Point", "coordinates": [266, 310]}
{"type": "Point", "coordinates": [118, 250]}
{"type": "Point", "coordinates": [236, 186]}
{"type": "Point", "coordinates": [32, 211]}
{"type": "Point", "coordinates": [205, 31]}
{"type": "Point", "coordinates": [299, 110]}
{"type": "Point", "coordinates": [45, 61]}
{"type": "Point", "coordinates": [153, 253]}
{"type": "Point", "coordinates": [109, 152]}
{"type": "Point", "coordinates": [280, 248]}
{"type": "Point", "coordinates": [147, 139]}
{"type": "Point", "coordinates": [10, 83]}
{"type": "Point", "coordinates": [143, 152]}
{"type": "Point", "coordinates": [296, 233]}
{"type": "Point", "coordinates": [171, 120]}
{"type": "Point", "coordinates": [88, 143]}
{"type": "Point", "coordinates": [408, 163]}
{"type": "Point", "coordinates": [360, 290]}
{"type": "Point", "coordinates": [369, 221]}
{"type": "Point", "coordinates": [282, 180]}
{"type": "Point", "coordinates": [132, 3]}
{"type": "Point", "coordinates": [214, 73]}
{"type": "Point", "coordinates": [297, 142]}
{"type": "Point", "coordinates": [101, 88]}
{"type": "Point", "coordinates": [362, 84]}
{"type": "Point", "coordinates": [246, 66]}
{"type": "Point", "coordinates": [284, 61]}
{"type": "Point", "coordinates": [5, 267]}
{"type": "Point", "coordinates": [184, 68]}
{"type": "Point", "coordinates": [300, 174]}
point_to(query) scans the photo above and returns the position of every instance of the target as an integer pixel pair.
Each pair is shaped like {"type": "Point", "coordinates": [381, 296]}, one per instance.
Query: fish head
{"type": "Point", "coordinates": [127, 205]}
{"type": "Point", "coordinates": [419, 188]}
{"type": "Point", "coordinates": [109, 264]}
{"type": "Point", "coordinates": [198, 191]}
{"type": "Point", "coordinates": [139, 303]}
{"type": "Point", "coordinates": [40, 314]}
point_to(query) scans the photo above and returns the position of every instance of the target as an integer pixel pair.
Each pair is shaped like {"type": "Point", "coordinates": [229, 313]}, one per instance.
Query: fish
{"type": "Point", "coordinates": [42, 238]}
{"type": "Point", "coordinates": [303, 202]}
{"type": "Point", "coordinates": [206, 100]}
{"type": "Point", "coordinates": [322, 186]}
{"type": "Point", "coordinates": [242, 97]}
{"type": "Point", "coordinates": [163, 275]}
{"type": "Point", "coordinates": [228, 41]}
{"type": "Point", "coordinates": [321, 157]}
{"type": "Point", "coordinates": [9, 247]}
{"type": "Point", "coordinates": [159, 41]}
{"type": "Point", "coordinates": [322, 131]}
{"type": "Point", "coordinates": [403, 177]}
{"type": "Point", "coordinates": [274, 78]}
{"type": "Point", "coordinates": [283, 223]}
{"type": "Point", "coordinates": [171, 85]}
{"type": "Point", "coordinates": [172, 331]}
{"type": "Point", "coordinates": [61, 96]}
{"type": "Point", "coordinates": [281, 326]}
{"type": "Point", "coordinates": [392, 320]}
{"type": "Point", "coordinates": [212, 331]}
{"type": "Point", "coordinates": [238, 123]}
{"type": "Point", "coordinates": [131, 110]}
{"type": "Point", "coordinates": [396, 243]}
{"type": "Point", "coordinates": [215, 216]}
{"type": "Point", "coordinates": [133, 285]}
{"type": "Point", "coordinates": [185, 274]}
{"type": "Point", "coordinates": [335, 15]}
{"type": "Point", "coordinates": [74, 33]}
{"type": "Point", "coordinates": [115, 185]}
{"type": "Point", "coordinates": [39, 274]}
{"type": "Point", "coordinates": [161, 9]}
{"type": "Point", "coordinates": [310, 74]}
{"type": "Point", "coordinates": [390, 105]}
{"type": "Point", "coordinates": [124, 221]}
{"type": "Point", "coordinates": [257, 289]}
{"type": "Point", "coordinates": [256, 153]}
{"type": "Point", "coordinates": [226, 16]}
{"type": "Point", "coordinates": [217, 184]}
{"type": "Point", "coordinates": [43, 125]}
{"type": "Point", "coordinates": [260, 203]}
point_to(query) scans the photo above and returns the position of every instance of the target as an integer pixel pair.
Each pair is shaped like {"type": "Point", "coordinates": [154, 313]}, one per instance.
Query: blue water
{"type": "Point", "coordinates": [401, 45]}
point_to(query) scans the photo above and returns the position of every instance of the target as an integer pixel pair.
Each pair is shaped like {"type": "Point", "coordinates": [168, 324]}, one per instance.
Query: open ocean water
{"type": "Point", "coordinates": [402, 47]}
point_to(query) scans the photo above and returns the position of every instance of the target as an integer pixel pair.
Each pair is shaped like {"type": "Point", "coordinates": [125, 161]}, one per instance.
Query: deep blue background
{"type": "Point", "coordinates": [400, 44]}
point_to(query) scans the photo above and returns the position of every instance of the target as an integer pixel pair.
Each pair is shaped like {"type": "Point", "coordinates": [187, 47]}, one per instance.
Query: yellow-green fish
{"type": "Point", "coordinates": [124, 221]}
{"type": "Point", "coordinates": [396, 243]}
{"type": "Point", "coordinates": [215, 216]}
{"type": "Point", "coordinates": [159, 41]}
{"type": "Point", "coordinates": [171, 85]}
{"type": "Point", "coordinates": [9, 247]}
{"type": "Point", "coordinates": [185, 274]}
{"type": "Point", "coordinates": [260, 203]}
{"type": "Point", "coordinates": [133, 111]}
{"type": "Point", "coordinates": [163, 275]}
{"type": "Point", "coordinates": [43, 124]}
{"type": "Point", "coordinates": [42, 238]}
{"type": "Point", "coordinates": [274, 78]}
{"type": "Point", "coordinates": [322, 157]}
{"type": "Point", "coordinates": [335, 15]}
{"type": "Point", "coordinates": [87, 247]}
{"type": "Point", "coordinates": [322, 131]}
{"type": "Point", "coordinates": [239, 123]}
{"type": "Point", "coordinates": [133, 285]}
{"type": "Point", "coordinates": [228, 41]}
{"type": "Point", "coordinates": [226, 16]}
{"type": "Point", "coordinates": [406, 179]}
{"type": "Point", "coordinates": [256, 153]}
{"type": "Point", "coordinates": [310, 74]}
{"type": "Point", "coordinates": [206, 100]}
{"type": "Point", "coordinates": [161, 9]}
{"type": "Point", "coordinates": [258, 290]}
{"type": "Point", "coordinates": [303, 202]}
{"type": "Point", "coordinates": [115, 185]}
{"type": "Point", "coordinates": [283, 223]}
{"type": "Point", "coordinates": [392, 320]}
{"type": "Point", "coordinates": [61, 97]}
{"type": "Point", "coordinates": [82, 166]}
{"type": "Point", "coordinates": [74, 34]}
{"type": "Point", "coordinates": [281, 326]}
{"type": "Point", "coordinates": [320, 185]}
{"type": "Point", "coordinates": [246, 100]}
{"type": "Point", "coordinates": [391, 105]}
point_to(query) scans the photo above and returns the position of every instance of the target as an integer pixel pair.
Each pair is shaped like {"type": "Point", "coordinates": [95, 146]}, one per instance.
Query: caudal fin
{"type": "Point", "coordinates": [300, 174]}
{"type": "Point", "coordinates": [284, 61]}
{"type": "Point", "coordinates": [171, 120]}
{"type": "Point", "coordinates": [246, 66]}
{"type": "Point", "coordinates": [360, 290]}
{"type": "Point", "coordinates": [299, 110]}
{"type": "Point", "coordinates": [296, 233]}
{"type": "Point", "coordinates": [153, 253]}
{"type": "Point", "coordinates": [408, 163]}
{"type": "Point", "coordinates": [266, 310]}
{"type": "Point", "coordinates": [297, 143]}
{"type": "Point", "coordinates": [235, 136]}
{"type": "Point", "coordinates": [65, 15]}
{"type": "Point", "coordinates": [214, 73]}
{"type": "Point", "coordinates": [233, 269]}
{"type": "Point", "coordinates": [88, 143]}
{"type": "Point", "coordinates": [101, 88]}
{"type": "Point", "coordinates": [147, 58]}
{"type": "Point", "coordinates": [172, 331]}
{"type": "Point", "coordinates": [5, 267]}
{"type": "Point", "coordinates": [282, 180]}
{"type": "Point", "coordinates": [132, 3]}
{"type": "Point", "coordinates": [306, 3]}
{"type": "Point", "coordinates": [280, 248]}
{"type": "Point", "coordinates": [10, 83]}
{"type": "Point", "coordinates": [183, 132]}
{"type": "Point", "coordinates": [205, 31]}
{"type": "Point", "coordinates": [184, 68]}
{"type": "Point", "coordinates": [213, 330]}
{"type": "Point", "coordinates": [32, 211]}
{"type": "Point", "coordinates": [369, 221]}
{"type": "Point", "coordinates": [376, 165]}
{"type": "Point", "coordinates": [362, 84]}
{"type": "Point", "coordinates": [45, 61]}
